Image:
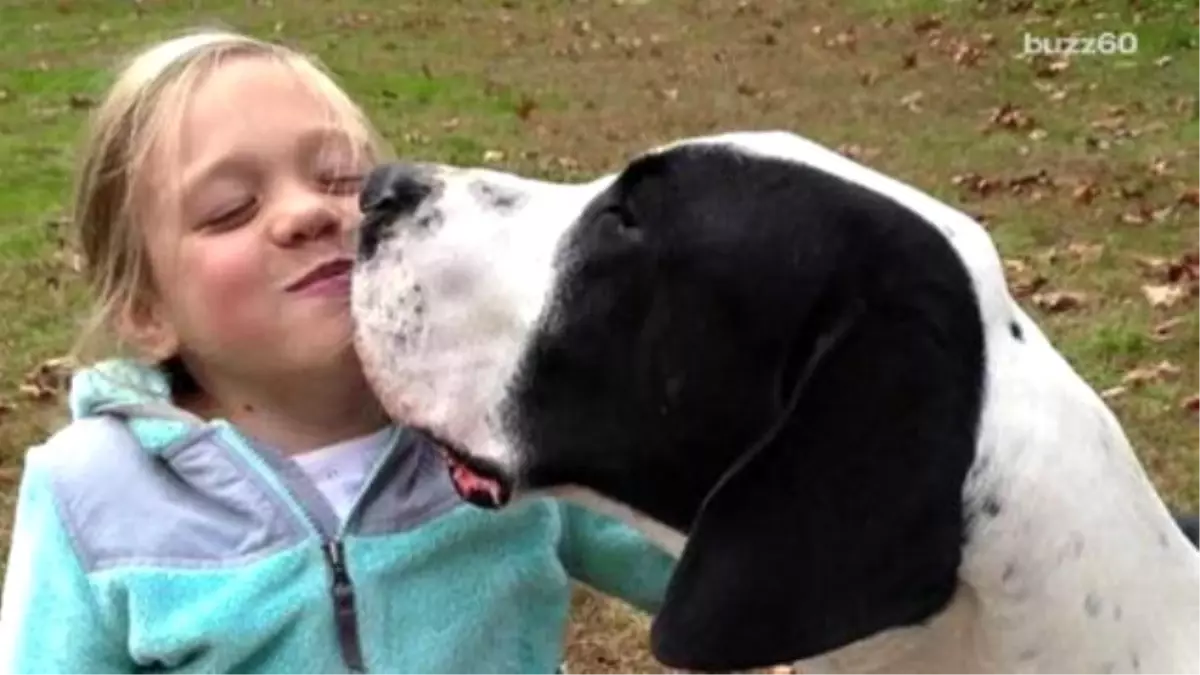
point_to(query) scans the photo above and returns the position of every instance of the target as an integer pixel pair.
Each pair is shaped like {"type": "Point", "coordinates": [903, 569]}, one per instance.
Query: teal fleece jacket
{"type": "Point", "coordinates": [149, 540]}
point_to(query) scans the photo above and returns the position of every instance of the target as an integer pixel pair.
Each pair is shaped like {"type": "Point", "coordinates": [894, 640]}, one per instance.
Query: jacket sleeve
{"type": "Point", "coordinates": [50, 621]}
{"type": "Point", "coordinates": [614, 558]}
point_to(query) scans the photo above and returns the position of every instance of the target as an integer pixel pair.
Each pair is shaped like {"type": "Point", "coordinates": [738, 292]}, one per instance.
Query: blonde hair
{"type": "Point", "coordinates": [148, 97]}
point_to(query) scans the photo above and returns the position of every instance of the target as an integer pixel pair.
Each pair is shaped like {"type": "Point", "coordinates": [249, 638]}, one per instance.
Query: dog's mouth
{"type": "Point", "coordinates": [477, 481]}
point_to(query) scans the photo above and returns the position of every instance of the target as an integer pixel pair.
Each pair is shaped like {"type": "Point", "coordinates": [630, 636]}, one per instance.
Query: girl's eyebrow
{"type": "Point", "coordinates": [309, 143]}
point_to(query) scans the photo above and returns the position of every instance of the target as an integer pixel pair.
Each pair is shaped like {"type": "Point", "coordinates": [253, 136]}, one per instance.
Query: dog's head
{"type": "Point", "coordinates": [736, 336]}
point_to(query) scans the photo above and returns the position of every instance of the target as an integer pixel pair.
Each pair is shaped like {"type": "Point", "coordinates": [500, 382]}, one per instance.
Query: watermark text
{"type": "Point", "coordinates": [1102, 44]}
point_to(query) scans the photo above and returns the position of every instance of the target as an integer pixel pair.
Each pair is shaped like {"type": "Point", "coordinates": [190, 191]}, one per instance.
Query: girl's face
{"type": "Point", "coordinates": [247, 222]}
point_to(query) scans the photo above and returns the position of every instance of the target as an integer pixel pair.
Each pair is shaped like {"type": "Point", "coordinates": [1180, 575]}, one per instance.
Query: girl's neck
{"type": "Point", "coordinates": [292, 419]}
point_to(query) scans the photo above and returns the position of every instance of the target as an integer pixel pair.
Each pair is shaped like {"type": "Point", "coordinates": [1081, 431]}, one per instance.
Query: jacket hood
{"type": "Point", "coordinates": [139, 393]}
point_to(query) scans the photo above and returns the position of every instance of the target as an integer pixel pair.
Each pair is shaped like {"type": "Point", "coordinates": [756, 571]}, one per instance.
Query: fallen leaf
{"type": "Point", "coordinates": [1046, 66]}
{"type": "Point", "coordinates": [1189, 196]}
{"type": "Point", "coordinates": [926, 24]}
{"type": "Point", "coordinates": [525, 107]}
{"type": "Point", "coordinates": [1113, 393]}
{"type": "Point", "coordinates": [47, 380]}
{"type": "Point", "coordinates": [1084, 193]}
{"type": "Point", "coordinates": [966, 54]}
{"type": "Point", "coordinates": [5, 408]}
{"type": "Point", "coordinates": [975, 183]}
{"type": "Point", "coordinates": [987, 39]}
{"type": "Point", "coordinates": [843, 40]}
{"type": "Point", "coordinates": [746, 89]}
{"type": "Point", "coordinates": [1191, 403]}
{"type": "Point", "coordinates": [1164, 330]}
{"type": "Point", "coordinates": [912, 100]}
{"type": "Point", "coordinates": [1023, 281]}
{"type": "Point", "coordinates": [1009, 116]}
{"type": "Point", "coordinates": [1146, 374]}
{"type": "Point", "coordinates": [1085, 252]}
{"type": "Point", "coordinates": [1059, 301]}
{"type": "Point", "coordinates": [1026, 182]}
{"type": "Point", "coordinates": [1163, 296]}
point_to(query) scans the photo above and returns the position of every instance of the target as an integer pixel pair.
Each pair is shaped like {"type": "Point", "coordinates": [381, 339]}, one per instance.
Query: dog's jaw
{"type": "Point", "coordinates": [444, 306]}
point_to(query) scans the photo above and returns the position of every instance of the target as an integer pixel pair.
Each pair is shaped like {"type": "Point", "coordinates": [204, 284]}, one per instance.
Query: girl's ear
{"type": "Point", "coordinates": [144, 325]}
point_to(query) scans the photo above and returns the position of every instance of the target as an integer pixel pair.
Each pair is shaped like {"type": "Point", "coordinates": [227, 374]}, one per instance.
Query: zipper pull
{"type": "Point", "coordinates": [344, 613]}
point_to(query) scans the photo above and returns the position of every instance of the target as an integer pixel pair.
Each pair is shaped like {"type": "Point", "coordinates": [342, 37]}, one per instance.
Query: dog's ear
{"type": "Point", "coordinates": [848, 519]}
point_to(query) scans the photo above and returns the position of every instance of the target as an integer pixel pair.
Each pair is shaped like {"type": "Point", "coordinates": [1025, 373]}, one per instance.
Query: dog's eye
{"type": "Point", "coordinates": [615, 220]}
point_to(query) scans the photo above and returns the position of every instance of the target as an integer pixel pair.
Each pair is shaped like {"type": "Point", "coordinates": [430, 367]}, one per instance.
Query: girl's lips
{"type": "Point", "coordinates": [329, 275]}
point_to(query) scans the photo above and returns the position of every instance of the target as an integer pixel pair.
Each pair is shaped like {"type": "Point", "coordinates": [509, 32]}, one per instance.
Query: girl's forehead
{"type": "Point", "coordinates": [254, 105]}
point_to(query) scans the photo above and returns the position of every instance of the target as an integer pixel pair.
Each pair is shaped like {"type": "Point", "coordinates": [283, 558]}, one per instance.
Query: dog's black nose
{"type": "Point", "coordinates": [392, 191]}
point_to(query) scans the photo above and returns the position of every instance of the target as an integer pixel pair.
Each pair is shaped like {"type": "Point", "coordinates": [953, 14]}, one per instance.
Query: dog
{"type": "Point", "coordinates": [804, 378]}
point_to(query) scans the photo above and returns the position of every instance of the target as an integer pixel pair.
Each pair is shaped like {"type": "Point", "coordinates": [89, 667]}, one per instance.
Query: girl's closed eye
{"type": "Point", "coordinates": [229, 214]}
{"type": "Point", "coordinates": [341, 181]}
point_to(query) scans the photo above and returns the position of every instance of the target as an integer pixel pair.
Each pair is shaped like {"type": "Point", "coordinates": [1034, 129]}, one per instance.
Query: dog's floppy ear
{"type": "Point", "coordinates": [848, 518]}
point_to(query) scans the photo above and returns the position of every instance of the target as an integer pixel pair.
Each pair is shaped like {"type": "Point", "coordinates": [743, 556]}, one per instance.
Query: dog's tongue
{"type": "Point", "coordinates": [479, 490]}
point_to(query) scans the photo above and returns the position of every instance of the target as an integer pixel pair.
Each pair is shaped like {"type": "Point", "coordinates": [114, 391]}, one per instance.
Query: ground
{"type": "Point", "coordinates": [1083, 166]}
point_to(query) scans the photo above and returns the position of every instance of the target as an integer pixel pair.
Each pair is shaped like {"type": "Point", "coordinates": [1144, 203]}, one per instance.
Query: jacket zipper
{"type": "Point", "coordinates": [342, 589]}
{"type": "Point", "coordinates": [345, 616]}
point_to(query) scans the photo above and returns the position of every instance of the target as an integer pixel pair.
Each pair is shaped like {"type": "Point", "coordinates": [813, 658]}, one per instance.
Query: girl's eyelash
{"type": "Point", "coordinates": [347, 181]}
{"type": "Point", "coordinates": [230, 215]}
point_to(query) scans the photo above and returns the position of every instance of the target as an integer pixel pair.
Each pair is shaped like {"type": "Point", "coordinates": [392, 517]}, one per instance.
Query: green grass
{"type": "Point", "coordinates": [447, 81]}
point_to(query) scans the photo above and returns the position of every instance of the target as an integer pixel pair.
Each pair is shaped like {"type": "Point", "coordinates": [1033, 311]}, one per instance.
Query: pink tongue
{"type": "Point", "coordinates": [474, 487]}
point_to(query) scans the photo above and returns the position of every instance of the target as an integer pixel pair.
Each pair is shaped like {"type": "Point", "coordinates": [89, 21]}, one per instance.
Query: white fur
{"type": "Point", "coordinates": [1083, 569]}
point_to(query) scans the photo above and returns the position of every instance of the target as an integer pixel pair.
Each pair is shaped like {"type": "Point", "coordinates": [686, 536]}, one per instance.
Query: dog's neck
{"type": "Point", "coordinates": [1072, 562]}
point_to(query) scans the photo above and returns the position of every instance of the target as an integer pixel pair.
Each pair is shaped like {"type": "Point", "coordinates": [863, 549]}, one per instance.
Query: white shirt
{"type": "Point", "coordinates": [339, 470]}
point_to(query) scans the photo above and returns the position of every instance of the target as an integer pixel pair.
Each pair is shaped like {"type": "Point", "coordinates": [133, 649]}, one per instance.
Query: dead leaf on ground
{"type": "Point", "coordinates": [926, 24]}
{"type": "Point", "coordinates": [1047, 66]}
{"type": "Point", "coordinates": [1113, 393]}
{"type": "Point", "coordinates": [1022, 279]}
{"type": "Point", "coordinates": [525, 107]}
{"type": "Point", "coordinates": [846, 39]}
{"type": "Point", "coordinates": [1191, 403]}
{"type": "Point", "coordinates": [966, 54]}
{"type": "Point", "coordinates": [1189, 196]}
{"type": "Point", "coordinates": [47, 380]}
{"type": "Point", "coordinates": [1059, 301]}
{"type": "Point", "coordinates": [1029, 182]}
{"type": "Point", "coordinates": [975, 183]}
{"type": "Point", "coordinates": [5, 407]}
{"type": "Point", "coordinates": [1081, 252]}
{"type": "Point", "coordinates": [1145, 213]}
{"type": "Point", "coordinates": [1163, 296]}
{"type": "Point", "coordinates": [1164, 330]}
{"type": "Point", "coordinates": [1009, 116]}
{"type": "Point", "coordinates": [1084, 192]}
{"type": "Point", "coordinates": [81, 102]}
{"type": "Point", "coordinates": [858, 152]}
{"type": "Point", "coordinates": [912, 100]}
{"type": "Point", "coordinates": [1163, 370]}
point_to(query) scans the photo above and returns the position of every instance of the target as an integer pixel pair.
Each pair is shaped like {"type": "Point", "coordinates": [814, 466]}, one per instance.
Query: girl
{"type": "Point", "coordinates": [233, 498]}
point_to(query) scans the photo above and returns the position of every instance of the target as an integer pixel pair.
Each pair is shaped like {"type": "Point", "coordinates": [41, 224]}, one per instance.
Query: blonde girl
{"type": "Point", "coordinates": [229, 496]}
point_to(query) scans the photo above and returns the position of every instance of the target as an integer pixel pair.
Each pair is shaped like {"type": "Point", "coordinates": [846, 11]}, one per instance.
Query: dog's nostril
{"type": "Point", "coordinates": [394, 190]}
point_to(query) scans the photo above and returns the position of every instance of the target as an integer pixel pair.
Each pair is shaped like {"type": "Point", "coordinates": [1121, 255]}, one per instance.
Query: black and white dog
{"type": "Point", "coordinates": [806, 379]}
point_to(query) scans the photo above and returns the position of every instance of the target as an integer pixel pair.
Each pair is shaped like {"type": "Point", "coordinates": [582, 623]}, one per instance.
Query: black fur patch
{"type": "Point", "coordinates": [689, 301]}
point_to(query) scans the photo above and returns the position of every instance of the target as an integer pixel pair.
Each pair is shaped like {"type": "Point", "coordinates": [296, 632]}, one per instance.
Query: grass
{"type": "Point", "coordinates": [564, 90]}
